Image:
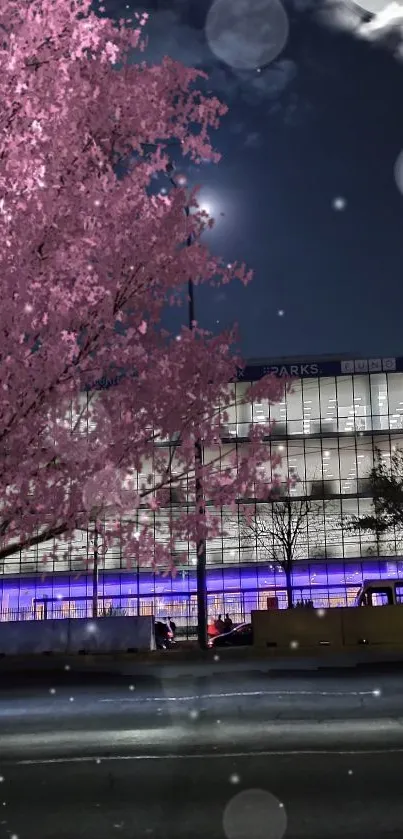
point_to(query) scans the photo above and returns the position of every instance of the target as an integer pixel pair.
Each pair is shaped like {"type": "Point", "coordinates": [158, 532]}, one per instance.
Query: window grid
{"type": "Point", "coordinates": [327, 432]}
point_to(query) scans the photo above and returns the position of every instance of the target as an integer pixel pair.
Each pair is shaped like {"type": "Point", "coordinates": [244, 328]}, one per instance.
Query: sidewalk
{"type": "Point", "coordinates": [174, 662]}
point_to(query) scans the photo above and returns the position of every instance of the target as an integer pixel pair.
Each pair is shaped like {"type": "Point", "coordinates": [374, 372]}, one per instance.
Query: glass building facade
{"type": "Point", "coordinates": [328, 426]}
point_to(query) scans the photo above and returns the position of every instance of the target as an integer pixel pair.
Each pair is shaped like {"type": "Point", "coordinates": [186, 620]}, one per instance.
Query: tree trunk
{"type": "Point", "coordinates": [288, 578]}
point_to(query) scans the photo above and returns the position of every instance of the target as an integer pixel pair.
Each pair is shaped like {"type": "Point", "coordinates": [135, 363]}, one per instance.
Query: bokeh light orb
{"type": "Point", "coordinates": [339, 203]}
{"type": "Point", "coordinates": [247, 34]}
{"type": "Point", "coordinates": [398, 172]}
{"type": "Point", "coordinates": [255, 814]}
{"type": "Point", "coordinates": [181, 180]}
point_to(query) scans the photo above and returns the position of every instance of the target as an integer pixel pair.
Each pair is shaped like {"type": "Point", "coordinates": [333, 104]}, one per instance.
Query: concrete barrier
{"type": "Point", "coordinates": [307, 628]}
{"type": "Point", "coordinates": [333, 629]}
{"type": "Point", "coordinates": [32, 637]}
{"type": "Point", "coordinates": [78, 635]}
{"type": "Point", "coordinates": [111, 634]}
{"type": "Point", "coordinates": [375, 626]}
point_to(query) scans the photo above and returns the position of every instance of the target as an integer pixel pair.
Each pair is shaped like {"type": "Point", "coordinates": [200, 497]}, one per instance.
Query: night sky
{"type": "Point", "coordinates": [307, 179]}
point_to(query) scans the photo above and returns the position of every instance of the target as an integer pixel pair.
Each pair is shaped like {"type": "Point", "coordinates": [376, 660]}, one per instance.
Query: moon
{"type": "Point", "coordinates": [247, 34]}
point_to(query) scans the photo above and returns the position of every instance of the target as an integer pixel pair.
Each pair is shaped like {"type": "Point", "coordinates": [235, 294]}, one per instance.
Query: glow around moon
{"type": "Point", "coordinates": [207, 207]}
{"type": "Point", "coordinates": [247, 34]}
{"type": "Point", "coordinates": [209, 203]}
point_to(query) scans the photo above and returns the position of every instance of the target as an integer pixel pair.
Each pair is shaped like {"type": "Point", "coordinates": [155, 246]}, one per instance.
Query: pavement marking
{"type": "Point", "coordinates": [235, 694]}
{"type": "Point", "coordinates": [203, 756]}
{"type": "Point", "coordinates": [276, 735]}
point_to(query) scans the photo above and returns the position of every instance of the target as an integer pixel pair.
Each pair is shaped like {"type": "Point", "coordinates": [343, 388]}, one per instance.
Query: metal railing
{"type": "Point", "coordinates": [185, 628]}
{"type": "Point", "coordinates": [185, 618]}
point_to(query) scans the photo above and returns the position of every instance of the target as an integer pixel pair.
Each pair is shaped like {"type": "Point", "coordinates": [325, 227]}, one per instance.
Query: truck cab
{"type": "Point", "coordinates": [380, 593]}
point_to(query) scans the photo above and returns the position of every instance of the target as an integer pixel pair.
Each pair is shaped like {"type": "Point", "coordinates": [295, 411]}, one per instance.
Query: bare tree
{"type": "Point", "coordinates": [385, 521]}
{"type": "Point", "coordinates": [279, 528]}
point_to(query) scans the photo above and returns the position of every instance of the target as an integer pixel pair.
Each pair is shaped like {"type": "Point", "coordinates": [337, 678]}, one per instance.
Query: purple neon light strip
{"type": "Point", "coordinates": [17, 592]}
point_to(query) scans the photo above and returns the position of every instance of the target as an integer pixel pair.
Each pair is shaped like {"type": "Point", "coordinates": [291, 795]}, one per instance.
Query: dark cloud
{"type": "Point", "coordinates": [169, 33]}
{"type": "Point", "coordinates": [384, 26]}
{"type": "Point", "coordinates": [253, 140]}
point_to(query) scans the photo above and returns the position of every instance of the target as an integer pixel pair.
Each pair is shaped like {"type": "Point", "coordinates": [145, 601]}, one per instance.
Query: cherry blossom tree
{"type": "Point", "coordinates": [88, 264]}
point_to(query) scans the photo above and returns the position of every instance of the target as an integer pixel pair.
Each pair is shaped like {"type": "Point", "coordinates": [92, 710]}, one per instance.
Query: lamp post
{"type": "Point", "coordinates": [95, 570]}
{"type": "Point", "coordinates": [201, 510]}
{"type": "Point", "coordinates": [95, 575]}
{"type": "Point", "coordinates": [199, 492]}
{"type": "Point", "coordinates": [198, 457]}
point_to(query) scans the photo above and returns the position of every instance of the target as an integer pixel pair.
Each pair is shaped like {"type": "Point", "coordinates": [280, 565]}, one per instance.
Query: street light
{"type": "Point", "coordinates": [95, 575]}
{"type": "Point", "coordinates": [201, 543]}
{"type": "Point", "coordinates": [95, 569]}
{"type": "Point", "coordinates": [198, 452]}
{"type": "Point", "coordinates": [199, 493]}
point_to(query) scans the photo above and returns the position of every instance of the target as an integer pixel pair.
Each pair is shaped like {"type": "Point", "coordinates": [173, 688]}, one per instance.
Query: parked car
{"type": "Point", "coordinates": [239, 636]}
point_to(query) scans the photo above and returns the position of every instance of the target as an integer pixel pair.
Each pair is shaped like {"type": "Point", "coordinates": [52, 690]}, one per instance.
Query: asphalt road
{"type": "Point", "coordinates": [218, 756]}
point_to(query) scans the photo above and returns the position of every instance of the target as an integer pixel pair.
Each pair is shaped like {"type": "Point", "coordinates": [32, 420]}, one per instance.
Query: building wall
{"type": "Point", "coordinates": [327, 429]}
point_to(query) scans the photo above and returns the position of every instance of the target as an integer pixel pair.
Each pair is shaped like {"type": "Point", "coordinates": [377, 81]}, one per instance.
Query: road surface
{"type": "Point", "coordinates": [218, 756]}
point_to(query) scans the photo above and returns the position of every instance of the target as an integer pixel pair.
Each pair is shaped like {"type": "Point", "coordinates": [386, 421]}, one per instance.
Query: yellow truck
{"type": "Point", "coordinates": [380, 593]}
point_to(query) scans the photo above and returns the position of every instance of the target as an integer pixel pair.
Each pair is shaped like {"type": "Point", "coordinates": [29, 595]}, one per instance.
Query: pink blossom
{"type": "Point", "coordinates": [83, 250]}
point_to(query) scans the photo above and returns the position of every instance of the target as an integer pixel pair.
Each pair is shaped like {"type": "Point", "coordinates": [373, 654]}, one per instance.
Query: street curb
{"type": "Point", "coordinates": [167, 662]}
{"type": "Point", "coordinates": [175, 656]}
